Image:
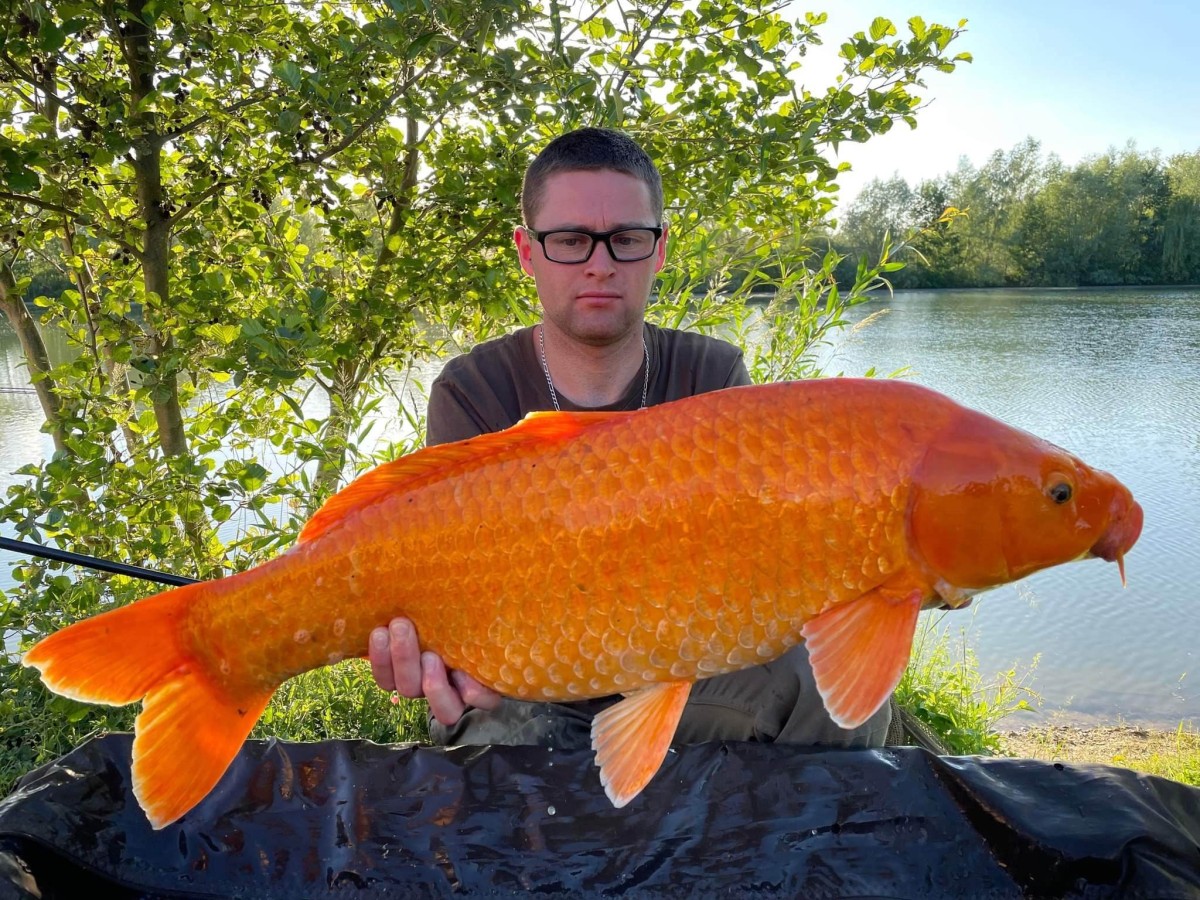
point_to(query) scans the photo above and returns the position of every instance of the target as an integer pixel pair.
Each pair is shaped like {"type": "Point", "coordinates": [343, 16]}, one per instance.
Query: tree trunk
{"type": "Point", "coordinates": [36, 358]}
{"type": "Point", "coordinates": [129, 26]}
{"type": "Point", "coordinates": [343, 395]}
{"type": "Point", "coordinates": [350, 376]}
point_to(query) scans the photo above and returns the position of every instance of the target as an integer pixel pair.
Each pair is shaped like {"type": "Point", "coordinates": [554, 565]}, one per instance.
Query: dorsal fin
{"type": "Point", "coordinates": [538, 429]}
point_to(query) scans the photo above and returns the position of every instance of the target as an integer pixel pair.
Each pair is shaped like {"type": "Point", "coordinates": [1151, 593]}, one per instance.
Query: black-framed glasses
{"type": "Point", "coordinates": [575, 246]}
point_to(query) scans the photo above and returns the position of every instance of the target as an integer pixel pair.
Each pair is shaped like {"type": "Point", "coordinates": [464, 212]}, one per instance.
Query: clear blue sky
{"type": "Point", "coordinates": [1080, 77]}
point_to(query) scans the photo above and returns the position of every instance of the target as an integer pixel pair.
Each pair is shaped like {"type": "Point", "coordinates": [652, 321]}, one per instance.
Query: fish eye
{"type": "Point", "coordinates": [1061, 492]}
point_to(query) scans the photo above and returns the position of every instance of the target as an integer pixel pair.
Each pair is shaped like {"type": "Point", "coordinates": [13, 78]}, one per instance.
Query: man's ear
{"type": "Point", "coordinates": [661, 258]}
{"type": "Point", "coordinates": [524, 248]}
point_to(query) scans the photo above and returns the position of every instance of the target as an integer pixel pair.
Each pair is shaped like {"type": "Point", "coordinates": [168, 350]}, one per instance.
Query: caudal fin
{"type": "Point", "coordinates": [189, 729]}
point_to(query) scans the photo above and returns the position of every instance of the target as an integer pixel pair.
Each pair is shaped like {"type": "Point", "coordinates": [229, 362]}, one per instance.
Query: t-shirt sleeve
{"type": "Point", "coordinates": [451, 416]}
{"type": "Point", "coordinates": [738, 374]}
{"type": "Point", "coordinates": [476, 393]}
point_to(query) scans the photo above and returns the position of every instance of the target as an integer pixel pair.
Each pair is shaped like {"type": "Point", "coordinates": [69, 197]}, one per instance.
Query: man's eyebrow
{"type": "Point", "coordinates": [621, 226]}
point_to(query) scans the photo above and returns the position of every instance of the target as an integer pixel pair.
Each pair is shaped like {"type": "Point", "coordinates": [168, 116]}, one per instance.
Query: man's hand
{"type": "Point", "coordinates": [399, 665]}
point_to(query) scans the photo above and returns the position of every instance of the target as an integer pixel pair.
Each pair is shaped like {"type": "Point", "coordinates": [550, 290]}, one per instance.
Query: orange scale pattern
{"type": "Point", "coordinates": [611, 558]}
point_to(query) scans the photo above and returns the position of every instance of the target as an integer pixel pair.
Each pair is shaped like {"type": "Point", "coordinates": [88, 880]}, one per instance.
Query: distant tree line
{"type": "Point", "coordinates": [1121, 218]}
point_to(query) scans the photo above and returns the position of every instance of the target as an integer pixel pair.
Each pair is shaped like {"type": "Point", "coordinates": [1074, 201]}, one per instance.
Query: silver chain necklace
{"type": "Point", "coordinates": [550, 381]}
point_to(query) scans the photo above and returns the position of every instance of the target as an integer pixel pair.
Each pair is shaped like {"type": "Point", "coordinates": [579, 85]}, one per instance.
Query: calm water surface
{"type": "Point", "coordinates": [1113, 376]}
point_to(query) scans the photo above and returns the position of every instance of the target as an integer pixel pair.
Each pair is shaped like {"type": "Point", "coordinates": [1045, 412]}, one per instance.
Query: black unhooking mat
{"type": "Point", "coordinates": [347, 818]}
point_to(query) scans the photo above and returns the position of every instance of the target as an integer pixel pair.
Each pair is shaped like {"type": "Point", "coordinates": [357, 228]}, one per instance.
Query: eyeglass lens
{"type": "Point", "coordinates": [576, 246]}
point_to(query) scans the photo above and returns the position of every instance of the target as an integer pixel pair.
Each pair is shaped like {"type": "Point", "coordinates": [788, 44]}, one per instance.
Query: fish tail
{"type": "Point", "coordinates": [190, 727]}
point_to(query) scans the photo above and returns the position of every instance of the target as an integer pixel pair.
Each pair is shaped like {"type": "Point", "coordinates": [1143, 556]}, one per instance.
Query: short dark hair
{"type": "Point", "coordinates": [589, 150]}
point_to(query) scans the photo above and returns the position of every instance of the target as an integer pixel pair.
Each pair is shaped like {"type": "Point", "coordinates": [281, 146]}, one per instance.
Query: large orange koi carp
{"type": "Point", "coordinates": [582, 555]}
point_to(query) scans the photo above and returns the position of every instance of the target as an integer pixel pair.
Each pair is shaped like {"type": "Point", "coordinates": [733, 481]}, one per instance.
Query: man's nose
{"type": "Point", "coordinates": [602, 261]}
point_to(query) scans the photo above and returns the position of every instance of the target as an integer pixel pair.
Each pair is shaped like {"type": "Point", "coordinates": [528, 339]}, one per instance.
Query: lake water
{"type": "Point", "coordinates": [1113, 376]}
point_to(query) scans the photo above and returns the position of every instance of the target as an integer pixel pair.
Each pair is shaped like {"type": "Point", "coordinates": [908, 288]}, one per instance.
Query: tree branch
{"type": "Point", "coordinates": [376, 117]}
{"type": "Point", "coordinates": [28, 77]}
{"type": "Point", "coordinates": [76, 218]}
{"type": "Point", "coordinates": [41, 204]}
{"type": "Point", "coordinates": [636, 49]}
{"type": "Point", "coordinates": [192, 205]}
{"type": "Point", "coordinates": [207, 117]}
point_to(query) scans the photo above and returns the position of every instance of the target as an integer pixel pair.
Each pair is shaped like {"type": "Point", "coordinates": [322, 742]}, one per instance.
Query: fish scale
{"type": "Point", "coordinates": [582, 555]}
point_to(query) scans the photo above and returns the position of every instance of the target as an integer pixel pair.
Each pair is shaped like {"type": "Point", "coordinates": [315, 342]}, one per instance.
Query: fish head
{"type": "Point", "coordinates": [992, 504]}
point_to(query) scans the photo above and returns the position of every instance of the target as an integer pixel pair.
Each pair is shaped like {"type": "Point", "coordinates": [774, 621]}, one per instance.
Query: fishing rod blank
{"type": "Point", "coordinates": [91, 562]}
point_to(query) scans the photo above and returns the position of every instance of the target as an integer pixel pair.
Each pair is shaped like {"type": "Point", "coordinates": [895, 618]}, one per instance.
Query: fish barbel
{"type": "Point", "coordinates": [580, 555]}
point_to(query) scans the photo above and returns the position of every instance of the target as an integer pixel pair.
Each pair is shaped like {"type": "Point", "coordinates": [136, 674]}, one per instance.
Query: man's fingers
{"type": "Point", "coordinates": [381, 660]}
{"type": "Point", "coordinates": [444, 701]}
{"type": "Point", "coordinates": [398, 665]}
{"type": "Point", "coordinates": [472, 692]}
{"type": "Point", "coordinates": [405, 657]}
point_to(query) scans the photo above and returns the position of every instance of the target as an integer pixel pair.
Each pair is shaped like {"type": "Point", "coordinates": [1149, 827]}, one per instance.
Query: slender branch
{"type": "Point", "coordinates": [74, 216]}
{"type": "Point", "coordinates": [579, 24]}
{"type": "Point", "coordinates": [29, 79]}
{"type": "Point", "coordinates": [192, 205]}
{"type": "Point", "coordinates": [208, 117]}
{"type": "Point", "coordinates": [637, 48]}
{"type": "Point", "coordinates": [42, 204]}
{"type": "Point", "coordinates": [31, 101]}
{"type": "Point", "coordinates": [377, 116]}
{"type": "Point", "coordinates": [83, 282]}
{"type": "Point", "coordinates": [717, 32]}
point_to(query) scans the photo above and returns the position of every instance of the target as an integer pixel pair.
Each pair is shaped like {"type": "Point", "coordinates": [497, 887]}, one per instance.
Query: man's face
{"type": "Point", "coordinates": [601, 301]}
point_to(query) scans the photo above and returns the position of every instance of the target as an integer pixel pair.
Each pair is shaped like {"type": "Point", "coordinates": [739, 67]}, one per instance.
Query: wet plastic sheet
{"type": "Point", "coordinates": [345, 818]}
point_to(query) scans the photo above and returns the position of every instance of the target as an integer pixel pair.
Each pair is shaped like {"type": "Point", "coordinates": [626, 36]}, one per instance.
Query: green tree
{"type": "Point", "coordinates": [264, 209]}
{"type": "Point", "coordinates": [1181, 224]}
{"type": "Point", "coordinates": [995, 196]}
{"type": "Point", "coordinates": [1117, 218]}
{"type": "Point", "coordinates": [941, 259]}
{"type": "Point", "coordinates": [885, 209]}
{"type": "Point", "coordinates": [1097, 223]}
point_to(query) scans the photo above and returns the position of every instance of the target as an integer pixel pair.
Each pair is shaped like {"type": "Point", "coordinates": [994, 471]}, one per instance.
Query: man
{"type": "Point", "coordinates": [594, 239]}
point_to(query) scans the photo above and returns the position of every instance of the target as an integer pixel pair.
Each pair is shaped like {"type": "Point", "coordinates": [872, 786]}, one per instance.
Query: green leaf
{"type": "Point", "coordinates": [253, 477]}
{"type": "Point", "coordinates": [289, 73]}
{"type": "Point", "coordinates": [881, 28]}
{"type": "Point", "coordinates": [222, 334]}
{"type": "Point", "coordinates": [422, 43]}
{"type": "Point", "coordinates": [50, 37]}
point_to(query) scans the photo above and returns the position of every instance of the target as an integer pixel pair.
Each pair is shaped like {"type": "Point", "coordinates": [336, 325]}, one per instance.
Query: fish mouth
{"type": "Point", "coordinates": [1122, 533]}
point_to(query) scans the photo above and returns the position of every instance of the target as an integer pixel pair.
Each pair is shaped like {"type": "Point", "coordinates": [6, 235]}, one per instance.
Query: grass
{"type": "Point", "coordinates": [342, 701]}
{"type": "Point", "coordinates": [1173, 754]}
{"type": "Point", "coordinates": [944, 688]}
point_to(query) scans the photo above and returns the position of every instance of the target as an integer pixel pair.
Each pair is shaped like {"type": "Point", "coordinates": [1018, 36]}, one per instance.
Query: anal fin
{"type": "Point", "coordinates": [859, 649]}
{"type": "Point", "coordinates": [185, 739]}
{"type": "Point", "coordinates": [631, 738]}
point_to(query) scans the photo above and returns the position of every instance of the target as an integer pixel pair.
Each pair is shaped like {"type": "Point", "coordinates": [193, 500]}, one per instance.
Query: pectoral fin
{"type": "Point", "coordinates": [632, 737]}
{"type": "Point", "coordinates": [859, 649]}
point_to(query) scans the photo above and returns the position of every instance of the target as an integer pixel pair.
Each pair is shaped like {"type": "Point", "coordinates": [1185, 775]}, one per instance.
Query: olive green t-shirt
{"type": "Point", "coordinates": [495, 385]}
